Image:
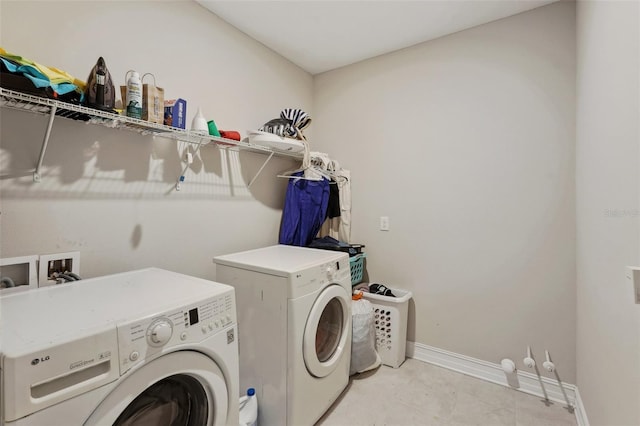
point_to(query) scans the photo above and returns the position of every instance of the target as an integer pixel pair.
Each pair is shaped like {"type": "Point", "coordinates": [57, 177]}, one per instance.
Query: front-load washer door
{"type": "Point", "coordinates": [184, 388]}
{"type": "Point", "coordinates": [327, 331]}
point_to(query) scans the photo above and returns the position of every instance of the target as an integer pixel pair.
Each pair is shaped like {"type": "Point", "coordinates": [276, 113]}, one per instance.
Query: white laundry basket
{"type": "Point", "coordinates": [390, 319]}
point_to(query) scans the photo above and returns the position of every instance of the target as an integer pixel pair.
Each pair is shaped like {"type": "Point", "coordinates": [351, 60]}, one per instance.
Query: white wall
{"type": "Point", "coordinates": [607, 173]}
{"type": "Point", "coordinates": [110, 193]}
{"type": "Point", "coordinates": [467, 144]}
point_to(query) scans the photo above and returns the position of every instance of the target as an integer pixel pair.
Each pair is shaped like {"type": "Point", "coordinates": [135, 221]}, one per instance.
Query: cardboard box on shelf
{"type": "Point", "coordinates": [175, 113]}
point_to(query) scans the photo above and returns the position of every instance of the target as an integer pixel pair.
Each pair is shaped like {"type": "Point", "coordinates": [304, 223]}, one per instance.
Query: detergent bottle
{"type": "Point", "coordinates": [133, 103]}
{"type": "Point", "coordinates": [249, 408]}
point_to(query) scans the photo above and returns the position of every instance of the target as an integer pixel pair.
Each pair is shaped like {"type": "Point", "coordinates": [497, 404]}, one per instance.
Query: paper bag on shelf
{"type": "Point", "coordinates": [152, 101]}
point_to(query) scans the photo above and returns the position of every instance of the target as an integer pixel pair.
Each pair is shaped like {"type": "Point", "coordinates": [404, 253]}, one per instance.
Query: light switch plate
{"type": "Point", "coordinates": [633, 274]}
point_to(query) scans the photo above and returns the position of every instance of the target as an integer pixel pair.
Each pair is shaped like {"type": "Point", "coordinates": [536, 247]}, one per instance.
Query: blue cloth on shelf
{"type": "Point", "coordinates": [38, 78]}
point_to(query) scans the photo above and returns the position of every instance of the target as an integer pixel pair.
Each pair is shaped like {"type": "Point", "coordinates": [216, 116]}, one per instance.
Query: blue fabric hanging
{"type": "Point", "coordinates": [305, 209]}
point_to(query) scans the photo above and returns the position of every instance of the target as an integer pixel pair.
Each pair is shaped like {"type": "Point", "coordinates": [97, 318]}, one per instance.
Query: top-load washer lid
{"type": "Point", "coordinates": [57, 314]}
{"type": "Point", "coordinates": [66, 340]}
{"type": "Point", "coordinates": [280, 260]}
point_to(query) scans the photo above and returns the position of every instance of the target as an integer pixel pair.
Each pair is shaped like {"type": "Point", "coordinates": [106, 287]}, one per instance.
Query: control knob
{"type": "Point", "coordinates": [159, 332]}
{"type": "Point", "coordinates": [330, 270]}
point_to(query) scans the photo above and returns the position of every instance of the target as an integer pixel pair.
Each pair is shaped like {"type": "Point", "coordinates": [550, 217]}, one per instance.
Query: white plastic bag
{"type": "Point", "coordinates": [363, 344]}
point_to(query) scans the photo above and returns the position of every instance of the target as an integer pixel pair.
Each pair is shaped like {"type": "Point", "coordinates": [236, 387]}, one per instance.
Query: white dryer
{"type": "Point", "coordinates": [130, 348]}
{"type": "Point", "coordinates": [294, 325]}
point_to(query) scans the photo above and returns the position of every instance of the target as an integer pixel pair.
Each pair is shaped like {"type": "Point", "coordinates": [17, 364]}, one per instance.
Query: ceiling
{"type": "Point", "coordinates": [321, 35]}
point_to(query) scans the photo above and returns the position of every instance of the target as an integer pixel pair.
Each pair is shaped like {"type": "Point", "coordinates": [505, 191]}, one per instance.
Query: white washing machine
{"type": "Point", "coordinates": [294, 325]}
{"type": "Point", "coordinates": [124, 349]}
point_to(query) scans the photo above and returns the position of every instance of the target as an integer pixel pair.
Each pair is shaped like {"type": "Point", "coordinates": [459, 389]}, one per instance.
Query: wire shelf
{"type": "Point", "coordinates": [54, 108]}
{"type": "Point", "coordinates": [43, 106]}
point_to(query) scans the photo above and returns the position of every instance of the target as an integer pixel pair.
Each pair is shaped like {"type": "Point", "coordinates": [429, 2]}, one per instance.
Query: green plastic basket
{"type": "Point", "coordinates": [357, 267]}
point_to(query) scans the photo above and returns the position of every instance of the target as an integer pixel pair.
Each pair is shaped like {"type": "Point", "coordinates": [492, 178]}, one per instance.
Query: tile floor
{"type": "Point", "coordinates": [418, 393]}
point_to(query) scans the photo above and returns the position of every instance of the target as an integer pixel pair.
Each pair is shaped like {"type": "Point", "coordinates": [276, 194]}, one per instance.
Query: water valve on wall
{"type": "Point", "coordinates": [508, 366]}
{"type": "Point", "coordinates": [529, 361]}
{"type": "Point", "coordinates": [58, 267]}
{"type": "Point", "coordinates": [548, 365]}
{"type": "Point", "coordinates": [18, 273]}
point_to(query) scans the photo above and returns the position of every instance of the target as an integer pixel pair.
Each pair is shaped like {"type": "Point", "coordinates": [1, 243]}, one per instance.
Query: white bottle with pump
{"type": "Point", "coordinates": [249, 408]}
{"type": "Point", "coordinates": [133, 103]}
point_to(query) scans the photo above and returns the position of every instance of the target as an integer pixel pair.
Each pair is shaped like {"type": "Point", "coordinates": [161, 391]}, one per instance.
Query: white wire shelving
{"type": "Point", "coordinates": [54, 108]}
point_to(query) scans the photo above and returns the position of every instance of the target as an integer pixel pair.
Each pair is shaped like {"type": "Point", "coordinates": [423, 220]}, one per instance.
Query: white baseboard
{"type": "Point", "coordinates": [491, 372]}
{"type": "Point", "coordinates": [581, 413]}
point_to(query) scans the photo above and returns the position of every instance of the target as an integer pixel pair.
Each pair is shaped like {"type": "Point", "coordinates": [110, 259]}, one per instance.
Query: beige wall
{"type": "Point", "coordinates": [467, 144]}
{"type": "Point", "coordinates": [608, 134]}
{"type": "Point", "coordinates": [110, 193]}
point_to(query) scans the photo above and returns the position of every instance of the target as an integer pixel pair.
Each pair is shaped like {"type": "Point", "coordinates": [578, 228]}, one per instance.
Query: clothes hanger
{"type": "Point", "coordinates": [328, 166]}
{"type": "Point", "coordinates": [310, 171]}
{"type": "Point", "coordinates": [338, 179]}
{"type": "Point", "coordinates": [314, 168]}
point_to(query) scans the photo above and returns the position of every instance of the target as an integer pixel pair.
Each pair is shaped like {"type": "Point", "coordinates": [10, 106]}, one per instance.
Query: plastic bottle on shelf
{"type": "Point", "coordinates": [133, 104]}
{"type": "Point", "coordinates": [199, 123]}
{"type": "Point", "coordinates": [249, 408]}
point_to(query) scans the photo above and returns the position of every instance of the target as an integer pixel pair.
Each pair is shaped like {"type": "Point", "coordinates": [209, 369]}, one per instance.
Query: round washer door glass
{"type": "Point", "coordinates": [327, 331]}
{"type": "Point", "coordinates": [181, 388]}
{"type": "Point", "coordinates": [174, 400]}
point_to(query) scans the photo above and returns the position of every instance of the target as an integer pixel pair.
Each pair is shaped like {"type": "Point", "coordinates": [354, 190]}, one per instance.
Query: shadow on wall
{"type": "Point", "coordinates": [266, 188]}
{"type": "Point", "coordinates": [136, 236]}
{"type": "Point", "coordinates": [87, 161]}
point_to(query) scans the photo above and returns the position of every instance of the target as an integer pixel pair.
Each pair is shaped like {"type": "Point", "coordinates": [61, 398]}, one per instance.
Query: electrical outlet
{"type": "Point", "coordinates": [57, 263]}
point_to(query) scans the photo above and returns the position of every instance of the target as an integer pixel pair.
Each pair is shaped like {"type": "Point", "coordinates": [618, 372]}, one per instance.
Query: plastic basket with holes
{"type": "Point", "coordinates": [390, 320]}
{"type": "Point", "coordinates": [357, 267]}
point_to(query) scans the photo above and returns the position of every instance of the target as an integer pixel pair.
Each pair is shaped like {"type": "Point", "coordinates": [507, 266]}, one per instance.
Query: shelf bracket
{"type": "Point", "coordinates": [260, 170]}
{"type": "Point", "coordinates": [36, 173]}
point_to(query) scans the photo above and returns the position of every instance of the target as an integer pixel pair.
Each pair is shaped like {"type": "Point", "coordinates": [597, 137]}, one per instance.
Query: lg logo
{"type": "Point", "coordinates": [37, 361]}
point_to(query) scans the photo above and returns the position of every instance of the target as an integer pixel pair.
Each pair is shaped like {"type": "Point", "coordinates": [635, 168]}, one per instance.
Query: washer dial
{"type": "Point", "coordinates": [159, 332]}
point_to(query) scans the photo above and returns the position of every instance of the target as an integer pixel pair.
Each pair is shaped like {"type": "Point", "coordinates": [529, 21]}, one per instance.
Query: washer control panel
{"type": "Point", "coordinates": [148, 337]}
{"type": "Point", "coordinates": [320, 275]}
{"type": "Point", "coordinates": [334, 271]}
